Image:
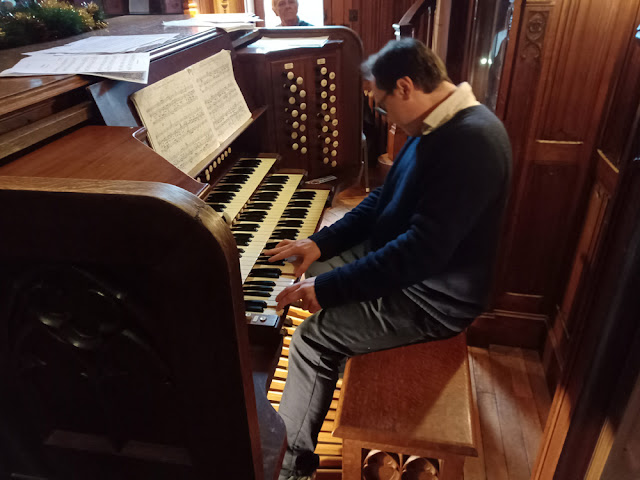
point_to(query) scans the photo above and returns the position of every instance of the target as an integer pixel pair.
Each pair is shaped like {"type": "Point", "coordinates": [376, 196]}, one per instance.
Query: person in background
{"type": "Point", "coordinates": [287, 10]}
{"type": "Point", "coordinates": [413, 262]}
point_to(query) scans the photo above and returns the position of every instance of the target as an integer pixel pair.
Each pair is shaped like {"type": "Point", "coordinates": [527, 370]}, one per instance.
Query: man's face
{"type": "Point", "coordinates": [387, 102]}
{"type": "Point", "coordinates": [287, 10]}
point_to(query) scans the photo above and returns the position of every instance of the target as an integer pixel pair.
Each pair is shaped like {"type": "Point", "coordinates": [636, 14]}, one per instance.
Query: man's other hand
{"type": "Point", "coordinates": [302, 252]}
{"type": "Point", "coordinates": [305, 291]}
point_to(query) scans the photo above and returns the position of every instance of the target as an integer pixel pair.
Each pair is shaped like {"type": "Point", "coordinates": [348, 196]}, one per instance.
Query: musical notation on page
{"type": "Point", "coordinates": [188, 114]}
{"type": "Point", "coordinates": [222, 96]}
{"type": "Point", "coordinates": [173, 113]}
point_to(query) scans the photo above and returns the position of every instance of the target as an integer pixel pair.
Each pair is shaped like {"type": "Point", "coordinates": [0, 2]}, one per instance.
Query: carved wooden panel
{"type": "Point", "coordinates": [526, 77]}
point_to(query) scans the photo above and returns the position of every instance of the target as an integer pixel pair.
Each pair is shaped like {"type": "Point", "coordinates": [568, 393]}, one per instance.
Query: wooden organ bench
{"type": "Point", "coordinates": [408, 412]}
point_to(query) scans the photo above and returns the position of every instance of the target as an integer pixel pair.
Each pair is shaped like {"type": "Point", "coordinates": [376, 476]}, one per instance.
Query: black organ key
{"type": "Point", "coordinates": [234, 179]}
{"type": "Point", "coordinates": [245, 227]}
{"type": "Point", "coordinates": [285, 234]}
{"type": "Point", "coordinates": [247, 171]}
{"type": "Point", "coordinates": [267, 262]}
{"type": "Point", "coordinates": [253, 307]}
{"type": "Point", "coordinates": [290, 223]}
{"type": "Point", "coordinates": [271, 245]}
{"type": "Point", "coordinates": [276, 179]}
{"type": "Point", "coordinates": [220, 197]}
{"type": "Point", "coordinates": [270, 188]}
{"type": "Point", "coordinates": [265, 196]}
{"type": "Point", "coordinates": [242, 239]}
{"type": "Point", "coordinates": [257, 288]}
{"type": "Point", "coordinates": [258, 206]}
{"type": "Point", "coordinates": [257, 303]}
{"type": "Point", "coordinates": [294, 213]}
{"type": "Point", "coordinates": [303, 195]}
{"type": "Point", "coordinates": [250, 293]}
{"type": "Point", "coordinates": [266, 272]}
{"type": "Point", "coordinates": [248, 162]}
{"type": "Point", "coordinates": [299, 204]}
{"type": "Point", "coordinates": [230, 187]}
{"type": "Point", "coordinates": [264, 283]}
{"type": "Point", "coordinates": [256, 215]}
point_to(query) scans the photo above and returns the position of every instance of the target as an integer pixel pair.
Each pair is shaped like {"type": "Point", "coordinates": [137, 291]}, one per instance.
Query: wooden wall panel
{"type": "Point", "coordinates": [619, 122]}
{"type": "Point", "coordinates": [554, 99]}
{"type": "Point", "coordinates": [540, 227]}
{"type": "Point", "coordinates": [581, 69]}
{"type": "Point", "coordinates": [622, 112]}
{"type": "Point", "coordinates": [374, 19]}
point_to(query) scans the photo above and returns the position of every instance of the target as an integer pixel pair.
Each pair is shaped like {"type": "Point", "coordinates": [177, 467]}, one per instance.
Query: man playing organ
{"type": "Point", "coordinates": [413, 262]}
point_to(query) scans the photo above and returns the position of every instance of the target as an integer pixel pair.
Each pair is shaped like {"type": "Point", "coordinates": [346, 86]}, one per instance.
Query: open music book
{"type": "Point", "coordinates": [188, 114]}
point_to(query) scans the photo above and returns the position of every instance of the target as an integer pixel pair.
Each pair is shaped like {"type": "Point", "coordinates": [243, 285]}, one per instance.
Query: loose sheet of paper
{"type": "Point", "coordinates": [108, 44]}
{"type": "Point", "coordinates": [136, 77]}
{"type": "Point", "coordinates": [220, 93]}
{"type": "Point", "coordinates": [176, 121]}
{"type": "Point", "coordinates": [194, 22]}
{"type": "Point", "coordinates": [73, 64]}
{"type": "Point", "coordinates": [228, 17]}
{"type": "Point", "coordinates": [271, 44]}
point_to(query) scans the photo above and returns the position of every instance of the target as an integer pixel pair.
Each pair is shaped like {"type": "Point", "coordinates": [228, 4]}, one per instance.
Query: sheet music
{"type": "Point", "coordinates": [222, 97]}
{"type": "Point", "coordinates": [87, 64]}
{"type": "Point", "coordinates": [228, 17]}
{"type": "Point", "coordinates": [176, 121]}
{"type": "Point", "coordinates": [108, 44]}
{"type": "Point", "coordinates": [270, 44]}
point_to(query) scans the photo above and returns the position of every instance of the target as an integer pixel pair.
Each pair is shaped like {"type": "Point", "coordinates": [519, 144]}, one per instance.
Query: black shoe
{"type": "Point", "coordinates": [305, 477]}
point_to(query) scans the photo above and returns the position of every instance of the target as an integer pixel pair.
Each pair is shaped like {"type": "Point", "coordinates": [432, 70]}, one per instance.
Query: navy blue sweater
{"type": "Point", "coordinates": [432, 227]}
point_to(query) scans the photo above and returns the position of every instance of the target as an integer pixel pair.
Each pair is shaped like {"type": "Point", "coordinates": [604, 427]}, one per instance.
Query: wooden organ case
{"type": "Point", "coordinates": [313, 123]}
{"type": "Point", "coordinates": [128, 348]}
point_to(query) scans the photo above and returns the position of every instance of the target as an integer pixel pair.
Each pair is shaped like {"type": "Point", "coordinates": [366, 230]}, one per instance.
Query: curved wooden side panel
{"type": "Point", "coordinates": [123, 346]}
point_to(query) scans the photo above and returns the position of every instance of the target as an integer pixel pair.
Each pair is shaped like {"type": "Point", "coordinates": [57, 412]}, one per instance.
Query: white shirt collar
{"type": "Point", "coordinates": [461, 98]}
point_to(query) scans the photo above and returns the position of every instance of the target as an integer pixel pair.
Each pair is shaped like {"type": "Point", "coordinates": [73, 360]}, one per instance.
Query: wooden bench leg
{"type": "Point", "coordinates": [451, 468]}
{"type": "Point", "coordinates": [351, 460]}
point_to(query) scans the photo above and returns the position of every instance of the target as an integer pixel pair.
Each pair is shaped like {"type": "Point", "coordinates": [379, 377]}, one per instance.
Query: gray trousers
{"type": "Point", "coordinates": [320, 345]}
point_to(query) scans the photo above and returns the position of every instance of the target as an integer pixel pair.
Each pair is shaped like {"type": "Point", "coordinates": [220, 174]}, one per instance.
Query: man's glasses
{"type": "Point", "coordinates": [380, 108]}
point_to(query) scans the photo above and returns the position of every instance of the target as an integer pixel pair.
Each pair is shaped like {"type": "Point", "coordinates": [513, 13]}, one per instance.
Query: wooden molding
{"type": "Point", "coordinates": [508, 328]}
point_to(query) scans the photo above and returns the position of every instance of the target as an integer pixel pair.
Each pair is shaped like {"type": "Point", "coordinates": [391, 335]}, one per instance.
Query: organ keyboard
{"type": "Point", "coordinates": [135, 301]}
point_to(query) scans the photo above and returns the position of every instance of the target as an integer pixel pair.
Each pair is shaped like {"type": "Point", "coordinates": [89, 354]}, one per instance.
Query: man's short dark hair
{"type": "Point", "coordinates": [406, 57]}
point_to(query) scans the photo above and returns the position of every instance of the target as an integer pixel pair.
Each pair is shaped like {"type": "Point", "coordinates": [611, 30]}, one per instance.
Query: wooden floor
{"type": "Point", "coordinates": [509, 389]}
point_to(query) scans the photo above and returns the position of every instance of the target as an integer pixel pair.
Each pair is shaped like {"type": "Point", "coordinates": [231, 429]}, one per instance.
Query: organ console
{"type": "Point", "coordinates": [139, 328]}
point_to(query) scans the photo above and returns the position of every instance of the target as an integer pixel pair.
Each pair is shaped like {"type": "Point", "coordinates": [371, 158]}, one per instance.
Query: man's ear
{"type": "Point", "coordinates": [405, 87]}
